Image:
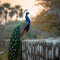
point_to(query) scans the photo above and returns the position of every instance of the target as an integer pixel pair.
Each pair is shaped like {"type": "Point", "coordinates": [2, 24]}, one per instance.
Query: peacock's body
{"type": "Point", "coordinates": [15, 45]}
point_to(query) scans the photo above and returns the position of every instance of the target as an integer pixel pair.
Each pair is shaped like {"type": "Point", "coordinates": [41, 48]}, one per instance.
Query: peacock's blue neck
{"type": "Point", "coordinates": [27, 19]}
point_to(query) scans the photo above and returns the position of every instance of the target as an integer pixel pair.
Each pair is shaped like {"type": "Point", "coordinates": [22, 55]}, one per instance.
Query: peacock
{"type": "Point", "coordinates": [15, 44]}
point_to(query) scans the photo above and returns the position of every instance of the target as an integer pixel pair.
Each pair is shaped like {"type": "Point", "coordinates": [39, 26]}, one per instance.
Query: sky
{"type": "Point", "coordinates": [23, 3]}
{"type": "Point", "coordinates": [26, 4]}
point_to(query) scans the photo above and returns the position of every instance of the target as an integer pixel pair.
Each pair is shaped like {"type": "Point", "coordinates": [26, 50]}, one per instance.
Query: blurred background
{"type": "Point", "coordinates": [44, 15]}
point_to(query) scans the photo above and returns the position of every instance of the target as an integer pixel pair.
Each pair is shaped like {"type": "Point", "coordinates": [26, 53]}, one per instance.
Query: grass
{"type": "Point", "coordinates": [3, 56]}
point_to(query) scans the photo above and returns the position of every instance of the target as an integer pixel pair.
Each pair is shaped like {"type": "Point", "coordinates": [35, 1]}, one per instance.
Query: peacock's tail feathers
{"type": "Point", "coordinates": [15, 44]}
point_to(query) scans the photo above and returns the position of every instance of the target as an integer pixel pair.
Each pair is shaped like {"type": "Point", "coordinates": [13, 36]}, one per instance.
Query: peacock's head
{"type": "Point", "coordinates": [27, 13]}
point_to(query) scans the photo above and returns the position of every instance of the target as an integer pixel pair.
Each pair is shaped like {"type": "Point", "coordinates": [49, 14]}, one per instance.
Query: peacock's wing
{"type": "Point", "coordinates": [15, 45]}
{"type": "Point", "coordinates": [23, 26]}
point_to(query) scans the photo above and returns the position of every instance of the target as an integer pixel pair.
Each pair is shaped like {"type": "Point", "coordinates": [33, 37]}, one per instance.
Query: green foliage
{"type": "Point", "coordinates": [17, 6]}
{"type": "Point", "coordinates": [21, 13]}
{"type": "Point", "coordinates": [7, 5]}
{"type": "Point", "coordinates": [1, 8]}
{"type": "Point", "coordinates": [0, 13]}
{"type": "Point", "coordinates": [1, 30]}
{"type": "Point", "coordinates": [5, 30]}
{"type": "Point", "coordinates": [11, 14]}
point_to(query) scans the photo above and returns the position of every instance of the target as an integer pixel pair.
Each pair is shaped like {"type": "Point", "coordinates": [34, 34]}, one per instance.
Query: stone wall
{"type": "Point", "coordinates": [44, 49]}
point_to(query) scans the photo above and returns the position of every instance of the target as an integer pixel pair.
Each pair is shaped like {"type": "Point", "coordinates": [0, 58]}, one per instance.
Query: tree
{"type": "Point", "coordinates": [12, 12]}
{"type": "Point", "coordinates": [17, 7]}
{"type": "Point", "coordinates": [1, 10]}
{"type": "Point", "coordinates": [0, 13]}
{"type": "Point", "coordinates": [16, 10]}
{"type": "Point", "coordinates": [21, 13]}
{"type": "Point", "coordinates": [6, 6]}
{"type": "Point", "coordinates": [49, 18]}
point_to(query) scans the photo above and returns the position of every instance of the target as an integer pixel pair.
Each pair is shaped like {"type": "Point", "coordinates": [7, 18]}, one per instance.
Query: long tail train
{"type": "Point", "coordinates": [15, 45]}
